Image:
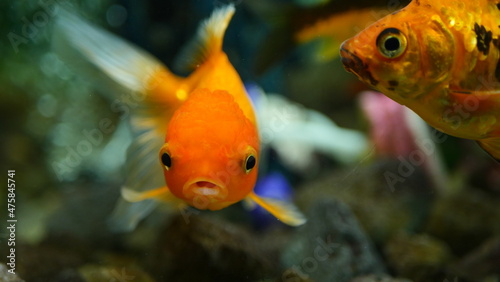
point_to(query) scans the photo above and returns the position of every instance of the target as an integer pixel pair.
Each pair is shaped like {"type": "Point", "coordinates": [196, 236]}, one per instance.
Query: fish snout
{"type": "Point", "coordinates": [354, 64]}
{"type": "Point", "coordinates": [351, 62]}
{"type": "Point", "coordinates": [204, 189]}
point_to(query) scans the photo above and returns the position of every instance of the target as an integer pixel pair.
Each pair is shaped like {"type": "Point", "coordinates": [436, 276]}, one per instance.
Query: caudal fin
{"type": "Point", "coordinates": [123, 73]}
{"type": "Point", "coordinates": [142, 173]}
{"type": "Point", "coordinates": [87, 47]}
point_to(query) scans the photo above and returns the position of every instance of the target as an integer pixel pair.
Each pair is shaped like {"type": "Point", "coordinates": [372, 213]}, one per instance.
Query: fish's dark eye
{"type": "Point", "coordinates": [166, 160]}
{"type": "Point", "coordinates": [391, 43]}
{"type": "Point", "coordinates": [250, 163]}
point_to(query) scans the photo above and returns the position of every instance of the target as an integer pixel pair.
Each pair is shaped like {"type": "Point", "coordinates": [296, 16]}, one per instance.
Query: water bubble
{"type": "Point", "coordinates": [61, 134]}
{"type": "Point", "coordinates": [116, 15]}
{"type": "Point", "coordinates": [50, 64]}
{"type": "Point", "coordinates": [47, 105]}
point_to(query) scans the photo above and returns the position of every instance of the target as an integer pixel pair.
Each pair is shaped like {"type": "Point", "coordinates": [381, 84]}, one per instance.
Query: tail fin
{"type": "Point", "coordinates": [142, 173]}
{"type": "Point", "coordinates": [127, 71]}
{"type": "Point", "coordinates": [208, 40]}
{"type": "Point", "coordinates": [79, 42]}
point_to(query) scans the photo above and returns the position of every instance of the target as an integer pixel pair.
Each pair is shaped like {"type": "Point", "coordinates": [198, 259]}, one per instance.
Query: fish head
{"type": "Point", "coordinates": [211, 151]}
{"type": "Point", "coordinates": [403, 55]}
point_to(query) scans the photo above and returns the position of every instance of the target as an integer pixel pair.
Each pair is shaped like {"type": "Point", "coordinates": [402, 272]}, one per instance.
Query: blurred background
{"type": "Point", "coordinates": [411, 204]}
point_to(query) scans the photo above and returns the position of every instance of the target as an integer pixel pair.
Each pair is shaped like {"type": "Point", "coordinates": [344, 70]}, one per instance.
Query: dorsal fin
{"type": "Point", "coordinates": [208, 39]}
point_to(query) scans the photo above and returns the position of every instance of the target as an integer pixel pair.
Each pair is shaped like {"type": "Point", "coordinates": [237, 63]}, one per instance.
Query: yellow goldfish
{"type": "Point", "coordinates": [440, 59]}
{"type": "Point", "coordinates": [199, 133]}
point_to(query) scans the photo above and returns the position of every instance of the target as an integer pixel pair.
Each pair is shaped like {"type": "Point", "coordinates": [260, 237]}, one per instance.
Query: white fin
{"type": "Point", "coordinates": [284, 211]}
{"type": "Point", "coordinates": [302, 131]}
{"type": "Point", "coordinates": [126, 215]}
{"type": "Point", "coordinates": [127, 70]}
{"type": "Point", "coordinates": [79, 42]}
{"type": "Point", "coordinates": [143, 173]}
{"type": "Point", "coordinates": [92, 52]}
{"type": "Point", "coordinates": [208, 40]}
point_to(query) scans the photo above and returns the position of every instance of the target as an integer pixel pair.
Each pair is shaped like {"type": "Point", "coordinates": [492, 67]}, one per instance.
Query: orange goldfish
{"type": "Point", "coordinates": [440, 59]}
{"type": "Point", "coordinates": [199, 132]}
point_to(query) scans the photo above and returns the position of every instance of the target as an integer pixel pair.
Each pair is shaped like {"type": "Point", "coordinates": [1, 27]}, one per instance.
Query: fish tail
{"type": "Point", "coordinates": [129, 76]}
{"type": "Point", "coordinates": [492, 146]}
{"type": "Point", "coordinates": [92, 51]}
{"type": "Point", "coordinates": [142, 178]}
{"type": "Point", "coordinates": [126, 215]}
{"type": "Point", "coordinates": [208, 39]}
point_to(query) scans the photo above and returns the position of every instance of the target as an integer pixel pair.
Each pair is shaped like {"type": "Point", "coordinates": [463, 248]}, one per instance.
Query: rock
{"type": "Point", "coordinates": [379, 278]}
{"type": "Point", "coordinates": [68, 275]}
{"type": "Point", "coordinates": [418, 257]}
{"type": "Point", "coordinates": [481, 263]}
{"type": "Point", "coordinates": [331, 246]}
{"type": "Point", "coordinates": [382, 207]}
{"type": "Point", "coordinates": [98, 273]}
{"type": "Point", "coordinates": [84, 213]}
{"type": "Point", "coordinates": [45, 262]}
{"type": "Point", "coordinates": [294, 275]}
{"type": "Point", "coordinates": [6, 276]}
{"type": "Point", "coordinates": [198, 248]}
{"type": "Point", "coordinates": [465, 219]}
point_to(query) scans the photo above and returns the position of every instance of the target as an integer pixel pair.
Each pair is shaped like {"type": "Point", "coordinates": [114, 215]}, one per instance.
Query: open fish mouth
{"type": "Point", "coordinates": [352, 63]}
{"type": "Point", "coordinates": [204, 187]}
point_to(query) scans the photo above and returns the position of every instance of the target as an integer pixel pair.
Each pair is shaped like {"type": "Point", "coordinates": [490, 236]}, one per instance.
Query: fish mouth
{"type": "Point", "coordinates": [204, 187]}
{"type": "Point", "coordinates": [354, 64]}
{"type": "Point", "coordinates": [350, 61]}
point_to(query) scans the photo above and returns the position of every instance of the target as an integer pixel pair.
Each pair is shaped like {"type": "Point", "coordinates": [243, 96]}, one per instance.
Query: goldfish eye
{"type": "Point", "coordinates": [250, 163]}
{"type": "Point", "coordinates": [391, 43]}
{"type": "Point", "coordinates": [166, 160]}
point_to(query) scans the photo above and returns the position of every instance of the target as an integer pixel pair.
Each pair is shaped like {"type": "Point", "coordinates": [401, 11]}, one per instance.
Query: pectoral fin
{"type": "Point", "coordinates": [283, 211]}
{"type": "Point", "coordinates": [134, 205]}
{"type": "Point", "coordinates": [162, 194]}
{"type": "Point", "coordinates": [476, 102]}
{"type": "Point", "coordinates": [492, 146]}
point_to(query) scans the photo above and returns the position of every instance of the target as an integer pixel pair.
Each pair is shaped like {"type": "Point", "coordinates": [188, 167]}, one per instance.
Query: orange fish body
{"type": "Point", "coordinates": [211, 149]}
{"type": "Point", "coordinates": [216, 72]}
{"type": "Point", "coordinates": [440, 59]}
{"type": "Point", "coordinates": [200, 132]}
